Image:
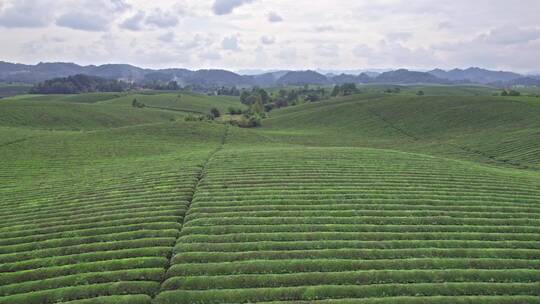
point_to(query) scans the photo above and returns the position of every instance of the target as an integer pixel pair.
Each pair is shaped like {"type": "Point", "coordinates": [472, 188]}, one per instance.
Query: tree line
{"type": "Point", "coordinates": [79, 84]}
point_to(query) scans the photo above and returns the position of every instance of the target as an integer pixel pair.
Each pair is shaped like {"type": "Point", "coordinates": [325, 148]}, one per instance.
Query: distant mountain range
{"type": "Point", "coordinates": [11, 72]}
{"type": "Point", "coordinates": [476, 75]}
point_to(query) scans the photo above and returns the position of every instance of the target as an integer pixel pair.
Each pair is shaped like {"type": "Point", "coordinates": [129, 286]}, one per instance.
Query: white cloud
{"type": "Point", "coordinates": [225, 7]}
{"type": "Point", "coordinates": [395, 54]}
{"type": "Point", "coordinates": [268, 40]}
{"type": "Point", "coordinates": [399, 36]}
{"type": "Point", "coordinates": [156, 18]}
{"type": "Point", "coordinates": [194, 42]}
{"type": "Point", "coordinates": [325, 28]}
{"type": "Point", "coordinates": [24, 13]}
{"type": "Point", "coordinates": [511, 35]}
{"type": "Point", "coordinates": [274, 17]}
{"type": "Point", "coordinates": [327, 50]}
{"type": "Point", "coordinates": [167, 37]}
{"type": "Point", "coordinates": [120, 5]}
{"type": "Point", "coordinates": [161, 19]}
{"type": "Point", "coordinates": [134, 22]}
{"type": "Point", "coordinates": [230, 43]}
{"type": "Point", "coordinates": [210, 55]}
{"type": "Point", "coordinates": [89, 15]}
{"type": "Point", "coordinates": [83, 21]}
{"type": "Point", "coordinates": [288, 55]}
{"type": "Point", "coordinates": [445, 25]}
{"type": "Point", "coordinates": [494, 34]}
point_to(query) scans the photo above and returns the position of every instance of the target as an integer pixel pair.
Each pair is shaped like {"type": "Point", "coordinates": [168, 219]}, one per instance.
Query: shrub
{"type": "Point", "coordinates": [136, 104]}
{"type": "Point", "coordinates": [214, 113]}
{"type": "Point", "coordinates": [510, 93]}
{"type": "Point", "coordinates": [199, 118]}
{"type": "Point", "coordinates": [234, 111]}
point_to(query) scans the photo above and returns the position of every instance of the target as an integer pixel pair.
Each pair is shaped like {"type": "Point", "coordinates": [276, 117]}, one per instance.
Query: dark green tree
{"type": "Point", "coordinates": [336, 91]}
{"type": "Point", "coordinates": [514, 93]}
{"type": "Point", "coordinates": [244, 97]}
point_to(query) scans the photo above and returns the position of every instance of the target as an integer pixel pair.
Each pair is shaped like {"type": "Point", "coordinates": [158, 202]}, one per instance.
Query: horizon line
{"type": "Point", "coordinates": [270, 70]}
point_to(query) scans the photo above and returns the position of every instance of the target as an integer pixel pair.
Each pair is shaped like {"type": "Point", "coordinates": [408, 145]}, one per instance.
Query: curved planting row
{"type": "Point", "coordinates": [356, 226]}
{"type": "Point", "coordinates": [96, 230]}
{"type": "Point", "coordinates": [55, 256]}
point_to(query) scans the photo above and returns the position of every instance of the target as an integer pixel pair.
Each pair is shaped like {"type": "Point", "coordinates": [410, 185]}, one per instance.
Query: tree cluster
{"type": "Point", "coordinates": [250, 97]}
{"type": "Point", "coordinates": [234, 111]}
{"type": "Point", "coordinates": [510, 93]}
{"type": "Point", "coordinates": [162, 86]}
{"type": "Point", "coordinates": [395, 90]}
{"type": "Point", "coordinates": [286, 98]}
{"type": "Point", "coordinates": [232, 91]}
{"type": "Point", "coordinates": [345, 89]}
{"type": "Point", "coordinates": [79, 84]}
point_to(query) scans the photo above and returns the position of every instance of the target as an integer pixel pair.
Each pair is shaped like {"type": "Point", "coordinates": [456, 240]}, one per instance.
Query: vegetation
{"type": "Point", "coordinates": [78, 84]}
{"type": "Point", "coordinates": [365, 198]}
{"type": "Point", "coordinates": [234, 111]}
{"type": "Point", "coordinates": [158, 85]}
{"type": "Point", "coordinates": [252, 96]}
{"type": "Point", "coordinates": [214, 112]}
{"type": "Point", "coordinates": [395, 90]}
{"type": "Point", "coordinates": [232, 91]}
{"type": "Point", "coordinates": [248, 121]}
{"type": "Point", "coordinates": [510, 93]}
{"type": "Point", "coordinates": [136, 104]}
{"type": "Point", "coordinates": [344, 90]}
{"type": "Point", "coordinates": [7, 90]}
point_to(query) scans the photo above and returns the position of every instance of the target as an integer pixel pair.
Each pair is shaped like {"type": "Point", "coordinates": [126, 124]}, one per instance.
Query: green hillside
{"type": "Point", "coordinates": [330, 223]}
{"type": "Point", "coordinates": [495, 130]}
{"type": "Point", "coordinates": [370, 198]}
{"type": "Point", "coordinates": [103, 212]}
{"type": "Point", "coordinates": [104, 110]}
{"type": "Point", "coordinates": [182, 102]}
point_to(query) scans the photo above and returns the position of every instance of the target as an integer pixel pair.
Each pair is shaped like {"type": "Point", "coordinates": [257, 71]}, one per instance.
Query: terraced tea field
{"type": "Point", "coordinates": [352, 200]}
{"type": "Point", "coordinates": [338, 223]}
{"type": "Point", "coordinates": [96, 214]}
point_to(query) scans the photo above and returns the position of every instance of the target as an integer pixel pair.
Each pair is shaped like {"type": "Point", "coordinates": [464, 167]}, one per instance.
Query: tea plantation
{"type": "Point", "coordinates": [371, 198]}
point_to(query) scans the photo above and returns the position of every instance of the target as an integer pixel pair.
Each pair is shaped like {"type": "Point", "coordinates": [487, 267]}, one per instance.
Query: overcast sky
{"type": "Point", "coordinates": [275, 34]}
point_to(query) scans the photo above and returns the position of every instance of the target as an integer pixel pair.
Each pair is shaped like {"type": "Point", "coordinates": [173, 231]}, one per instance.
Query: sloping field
{"type": "Point", "coordinates": [54, 115]}
{"type": "Point", "coordinates": [494, 130]}
{"type": "Point", "coordinates": [336, 223]}
{"type": "Point", "coordinates": [371, 198]}
{"type": "Point", "coordinates": [96, 214]}
{"type": "Point", "coordinates": [182, 102]}
{"type": "Point", "coordinates": [105, 110]}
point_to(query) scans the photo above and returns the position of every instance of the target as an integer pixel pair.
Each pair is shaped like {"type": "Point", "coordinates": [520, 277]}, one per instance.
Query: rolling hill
{"type": "Point", "coordinates": [484, 128]}
{"type": "Point", "coordinates": [369, 198]}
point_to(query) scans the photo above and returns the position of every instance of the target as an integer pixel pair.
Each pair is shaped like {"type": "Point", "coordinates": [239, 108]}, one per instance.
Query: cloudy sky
{"type": "Point", "coordinates": [275, 34]}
